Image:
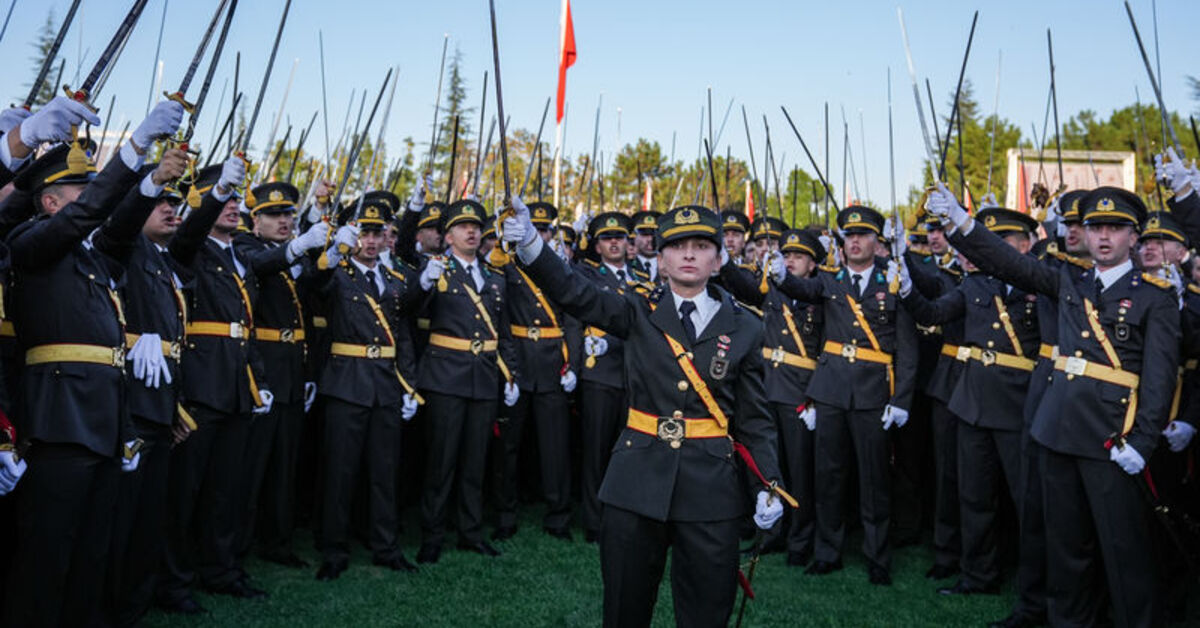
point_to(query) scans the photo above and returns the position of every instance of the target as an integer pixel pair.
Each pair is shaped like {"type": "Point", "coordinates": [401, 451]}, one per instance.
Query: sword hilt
{"type": "Point", "coordinates": [80, 95]}
{"type": "Point", "coordinates": [178, 97]}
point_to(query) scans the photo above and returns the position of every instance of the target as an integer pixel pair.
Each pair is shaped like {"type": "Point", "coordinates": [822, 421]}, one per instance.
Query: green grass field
{"type": "Point", "coordinates": [541, 581]}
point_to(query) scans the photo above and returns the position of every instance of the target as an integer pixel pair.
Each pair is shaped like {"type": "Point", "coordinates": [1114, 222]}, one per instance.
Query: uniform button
{"type": "Point", "coordinates": [1085, 334]}
{"type": "Point", "coordinates": [1079, 354]}
{"type": "Point", "coordinates": [678, 414]}
{"type": "Point", "coordinates": [537, 321]}
{"type": "Point", "coordinates": [90, 276]}
{"type": "Point", "coordinates": [375, 339]}
{"type": "Point", "coordinates": [629, 443]}
{"type": "Point", "coordinates": [784, 332]}
{"type": "Point", "coordinates": [476, 334]}
{"type": "Point", "coordinates": [476, 317]}
{"type": "Point", "coordinates": [683, 385]}
{"type": "Point", "coordinates": [995, 325]}
{"type": "Point", "coordinates": [855, 323]}
{"type": "Point", "coordinates": [1124, 401]}
{"type": "Point", "coordinates": [991, 344]}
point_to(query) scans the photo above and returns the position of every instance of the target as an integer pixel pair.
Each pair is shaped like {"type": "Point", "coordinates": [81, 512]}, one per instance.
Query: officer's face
{"type": "Point", "coordinates": [612, 249]}
{"type": "Point", "coordinates": [464, 239]}
{"type": "Point", "coordinates": [1019, 241]}
{"type": "Point", "coordinates": [274, 227]}
{"type": "Point", "coordinates": [1076, 244]}
{"type": "Point", "coordinates": [545, 233]}
{"type": "Point", "coordinates": [630, 250]}
{"type": "Point", "coordinates": [1156, 253]}
{"type": "Point", "coordinates": [57, 197]}
{"type": "Point", "coordinates": [389, 237]}
{"type": "Point", "coordinates": [369, 244]}
{"type": "Point", "coordinates": [429, 239]}
{"type": "Point", "coordinates": [162, 223]}
{"type": "Point", "coordinates": [229, 219]}
{"type": "Point", "coordinates": [644, 243]}
{"type": "Point", "coordinates": [1110, 245]}
{"type": "Point", "coordinates": [763, 245]}
{"type": "Point", "coordinates": [735, 242]}
{"type": "Point", "coordinates": [799, 264]}
{"type": "Point", "coordinates": [860, 248]}
{"type": "Point", "coordinates": [688, 263]}
{"type": "Point", "coordinates": [937, 242]}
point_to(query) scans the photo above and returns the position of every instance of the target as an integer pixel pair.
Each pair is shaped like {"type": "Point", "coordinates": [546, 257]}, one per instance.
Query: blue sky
{"type": "Point", "coordinates": [654, 60]}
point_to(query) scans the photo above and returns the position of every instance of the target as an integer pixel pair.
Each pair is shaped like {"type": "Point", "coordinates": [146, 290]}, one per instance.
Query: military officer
{"type": "Point", "coordinates": [734, 227]}
{"type": "Point", "coordinates": [672, 481]}
{"type": "Point", "coordinates": [870, 341]}
{"type": "Point", "coordinates": [1105, 407]}
{"type": "Point", "coordinates": [645, 225]}
{"type": "Point", "coordinates": [766, 231]}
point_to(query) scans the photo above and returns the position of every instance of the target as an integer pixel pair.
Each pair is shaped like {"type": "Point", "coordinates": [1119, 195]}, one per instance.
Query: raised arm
{"type": "Point", "coordinates": [995, 257]}
{"type": "Point", "coordinates": [742, 284]}
{"type": "Point", "coordinates": [577, 296]}
{"type": "Point", "coordinates": [948, 307]}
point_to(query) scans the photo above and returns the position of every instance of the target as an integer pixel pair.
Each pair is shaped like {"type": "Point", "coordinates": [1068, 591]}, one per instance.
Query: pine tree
{"type": "Point", "coordinates": [41, 46]}
{"type": "Point", "coordinates": [454, 105]}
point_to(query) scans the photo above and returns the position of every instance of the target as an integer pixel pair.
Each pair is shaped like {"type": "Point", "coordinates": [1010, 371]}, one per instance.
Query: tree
{"type": "Point", "coordinates": [41, 46]}
{"type": "Point", "coordinates": [977, 153]}
{"type": "Point", "coordinates": [454, 106]}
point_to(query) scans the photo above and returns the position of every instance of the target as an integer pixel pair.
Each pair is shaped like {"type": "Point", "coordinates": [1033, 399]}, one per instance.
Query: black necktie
{"type": "Point", "coordinates": [621, 275]}
{"type": "Point", "coordinates": [471, 277]}
{"type": "Point", "coordinates": [857, 281]}
{"type": "Point", "coordinates": [685, 313]}
{"type": "Point", "coordinates": [370, 275]}
{"type": "Point", "coordinates": [1099, 288]}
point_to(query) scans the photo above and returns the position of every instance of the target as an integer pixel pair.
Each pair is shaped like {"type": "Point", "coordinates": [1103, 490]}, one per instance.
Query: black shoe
{"type": "Point", "coordinates": [183, 606]}
{"type": "Point", "coordinates": [482, 548]}
{"type": "Point", "coordinates": [798, 559]}
{"type": "Point", "coordinates": [330, 571]}
{"type": "Point", "coordinates": [822, 567]}
{"type": "Point", "coordinates": [241, 589]}
{"type": "Point", "coordinates": [504, 533]}
{"type": "Point", "coordinates": [429, 553]}
{"type": "Point", "coordinates": [287, 559]}
{"type": "Point", "coordinates": [591, 536]}
{"type": "Point", "coordinates": [878, 575]}
{"type": "Point", "coordinates": [941, 572]}
{"type": "Point", "coordinates": [563, 533]}
{"type": "Point", "coordinates": [962, 587]}
{"type": "Point", "coordinates": [396, 563]}
{"type": "Point", "coordinates": [1018, 620]}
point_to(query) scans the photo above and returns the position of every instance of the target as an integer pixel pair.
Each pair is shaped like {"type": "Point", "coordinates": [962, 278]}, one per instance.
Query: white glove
{"type": "Point", "coordinates": [310, 395]}
{"type": "Point", "coordinates": [989, 200]}
{"type": "Point", "coordinates": [1179, 434]}
{"type": "Point", "coordinates": [581, 223]}
{"type": "Point", "coordinates": [767, 510]}
{"type": "Point", "coordinates": [409, 408]}
{"type": "Point", "coordinates": [826, 242]}
{"type": "Point", "coordinates": [11, 470]}
{"type": "Point", "coordinates": [902, 240]}
{"type": "Point", "coordinates": [595, 346]}
{"type": "Point", "coordinates": [267, 400]}
{"type": "Point", "coordinates": [1060, 229]}
{"type": "Point", "coordinates": [894, 416]}
{"type": "Point", "coordinates": [889, 230]}
{"type": "Point", "coordinates": [416, 202]}
{"type": "Point", "coordinates": [775, 265]}
{"type": "Point", "coordinates": [568, 381]}
{"type": "Point", "coordinates": [346, 235]}
{"type": "Point", "coordinates": [311, 239]}
{"type": "Point", "coordinates": [1172, 170]}
{"type": "Point", "coordinates": [148, 362]}
{"type": "Point", "coordinates": [1173, 277]}
{"type": "Point", "coordinates": [11, 117]}
{"type": "Point", "coordinates": [809, 416]}
{"type": "Point", "coordinates": [942, 203]}
{"type": "Point", "coordinates": [163, 121]}
{"type": "Point", "coordinates": [899, 271]}
{"type": "Point", "coordinates": [511, 394]}
{"type": "Point", "coordinates": [233, 173]}
{"type": "Point", "coordinates": [129, 465]}
{"type": "Point", "coordinates": [53, 122]}
{"type": "Point", "coordinates": [433, 270]}
{"type": "Point", "coordinates": [1128, 458]}
{"type": "Point", "coordinates": [518, 229]}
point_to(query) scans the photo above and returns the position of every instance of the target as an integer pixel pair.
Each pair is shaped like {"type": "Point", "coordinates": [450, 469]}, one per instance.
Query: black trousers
{"type": "Point", "coordinates": [139, 527]}
{"type": "Point", "coordinates": [553, 426]}
{"type": "Point", "coordinates": [1031, 570]}
{"type": "Point", "coordinates": [65, 511]}
{"type": "Point", "coordinates": [602, 412]}
{"type": "Point", "coordinates": [205, 499]}
{"type": "Point", "coordinates": [988, 462]}
{"type": "Point", "coordinates": [704, 564]}
{"type": "Point", "coordinates": [459, 429]}
{"type": "Point", "coordinates": [271, 506]}
{"type": "Point", "coordinates": [796, 445]}
{"type": "Point", "coordinates": [845, 435]}
{"type": "Point", "coordinates": [360, 437]}
{"type": "Point", "coordinates": [911, 469]}
{"type": "Point", "coordinates": [947, 539]}
{"type": "Point", "coordinates": [1097, 525]}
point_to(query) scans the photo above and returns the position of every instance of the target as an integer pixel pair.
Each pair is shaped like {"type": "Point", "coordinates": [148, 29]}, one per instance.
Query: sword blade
{"type": "Point", "coordinates": [95, 80]}
{"type": "Point", "coordinates": [51, 54]}
{"type": "Point", "coordinates": [912, 74]}
{"type": "Point", "coordinates": [262, 89]}
{"type": "Point", "coordinates": [199, 56]}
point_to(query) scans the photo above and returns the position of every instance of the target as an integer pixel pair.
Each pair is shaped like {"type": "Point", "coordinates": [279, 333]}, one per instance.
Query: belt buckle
{"type": "Point", "coordinates": [671, 431]}
{"type": "Point", "coordinates": [535, 333]}
{"type": "Point", "coordinates": [174, 351]}
{"type": "Point", "coordinates": [236, 330]}
{"type": "Point", "coordinates": [1054, 352]}
{"type": "Point", "coordinates": [374, 352]}
{"type": "Point", "coordinates": [988, 357]}
{"type": "Point", "coordinates": [1075, 366]}
{"type": "Point", "coordinates": [287, 335]}
{"type": "Point", "coordinates": [850, 352]}
{"type": "Point", "coordinates": [777, 355]}
{"type": "Point", "coordinates": [118, 357]}
{"type": "Point", "coordinates": [477, 346]}
{"type": "Point", "coordinates": [964, 354]}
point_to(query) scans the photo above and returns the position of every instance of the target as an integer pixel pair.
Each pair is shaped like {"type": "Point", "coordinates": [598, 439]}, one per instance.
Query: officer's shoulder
{"type": "Point", "coordinates": [395, 273]}
{"type": "Point", "coordinates": [592, 263]}
{"type": "Point", "coordinates": [1193, 288]}
{"type": "Point", "coordinates": [748, 266]}
{"type": "Point", "coordinates": [1156, 281]}
{"type": "Point", "coordinates": [829, 269]}
{"type": "Point", "coordinates": [641, 275]}
{"type": "Point", "coordinates": [739, 307]}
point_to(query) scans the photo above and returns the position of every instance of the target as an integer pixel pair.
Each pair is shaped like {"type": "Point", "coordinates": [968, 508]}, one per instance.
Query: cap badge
{"type": "Point", "coordinates": [687, 217]}
{"type": "Point", "coordinates": [275, 196]}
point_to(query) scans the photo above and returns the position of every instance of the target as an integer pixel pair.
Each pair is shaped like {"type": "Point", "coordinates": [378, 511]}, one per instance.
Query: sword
{"type": "Point", "coordinates": [95, 80]}
{"type": "Point", "coordinates": [995, 119]}
{"type": "Point", "coordinates": [1054, 98]}
{"type": "Point", "coordinates": [453, 158]}
{"type": "Point", "coordinates": [957, 91]}
{"type": "Point", "coordinates": [437, 103]}
{"type": "Point", "coordinates": [300, 146]}
{"type": "Point", "coordinates": [262, 89]}
{"type": "Point", "coordinates": [479, 161]}
{"type": "Point", "coordinates": [536, 144]}
{"type": "Point", "coordinates": [891, 142]}
{"type": "Point", "coordinates": [479, 149]}
{"type": "Point", "coordinates": [820, 175]}
{"type": "Point", "coordinates": [51, 54]}
{"type": "Point", "coordinates": [358, 144]}
{"type": "Point", "coordinates": [750, 147]}
{"type": "Point", "coordinates": [507, 201]}
{"type": "Point", "coordinates": [1162, 108]}
{"type": "Point", "coordinates": [208, 78]}
{"type": "Point", "coordinates": [912, 74]}
{"type": "Point", "coordinates": [7, 16]}
{"type": "Point", "coordinates": [179, 94]}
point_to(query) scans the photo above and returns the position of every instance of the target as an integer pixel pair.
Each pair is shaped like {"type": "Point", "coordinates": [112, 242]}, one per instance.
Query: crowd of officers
{"type": "Point", "coordinates": [194, 361]}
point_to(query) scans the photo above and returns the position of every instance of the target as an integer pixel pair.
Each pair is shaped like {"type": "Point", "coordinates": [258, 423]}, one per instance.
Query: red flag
{"type": "Point", "coordinates": [566, 57]}
{"type": "Point", "coordinates": [1022, 193]}
{"type": "Point", "coordinates": [749, 209]}
{"type": "Point", "coordinates": [967, 200]}
{"type": "Point", "coordinates": [648, 197]}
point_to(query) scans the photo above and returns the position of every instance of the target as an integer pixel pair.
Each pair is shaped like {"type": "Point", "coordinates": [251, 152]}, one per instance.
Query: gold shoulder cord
{"type": "Point", "coordinates": [1006, 320]}
{"type": "Point", "coordinates": [862, 321]}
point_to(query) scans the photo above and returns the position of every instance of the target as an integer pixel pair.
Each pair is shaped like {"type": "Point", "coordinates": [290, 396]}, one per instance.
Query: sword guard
{"type": "Point", "coordinates": [80, 96]}
{"type": "Point", "coordinates": [178, 97]}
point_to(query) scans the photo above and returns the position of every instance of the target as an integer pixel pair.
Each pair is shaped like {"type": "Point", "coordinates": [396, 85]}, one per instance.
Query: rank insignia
{"type": "Point", "coordinates": [1126, 303]}
{"type": "Point", "coordinates": [718, 367]}
{"type": "Point", "coordinates": [1121, 330]}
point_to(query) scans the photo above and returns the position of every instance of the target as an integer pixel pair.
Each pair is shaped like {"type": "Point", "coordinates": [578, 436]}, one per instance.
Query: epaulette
{"type": "Point", "coordinates": [1157, 281]}
{"type": "Point", "coordinates": [655, 293]}
{"type": "Point", "coordinates": [953, 271]}
{"type": "Point", "coordinates": [829, 269]}
{"type": "Point", "coordinates": [395, 273]}
{"type": "Point", "coordinates": [640, 274]}
{"type": "Point", "coordinates": [1078, 261]}
{"type": "Point", "coordinates": [1193, 288]}
{"type": "Point", "coordinates": [499, 270]}
{"type": "Point", "coordinates": [749, 308]}
{"type": "Point", "coordinates": [591, 262]}
{"type": "Point", "coordinates": [750, 267]}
